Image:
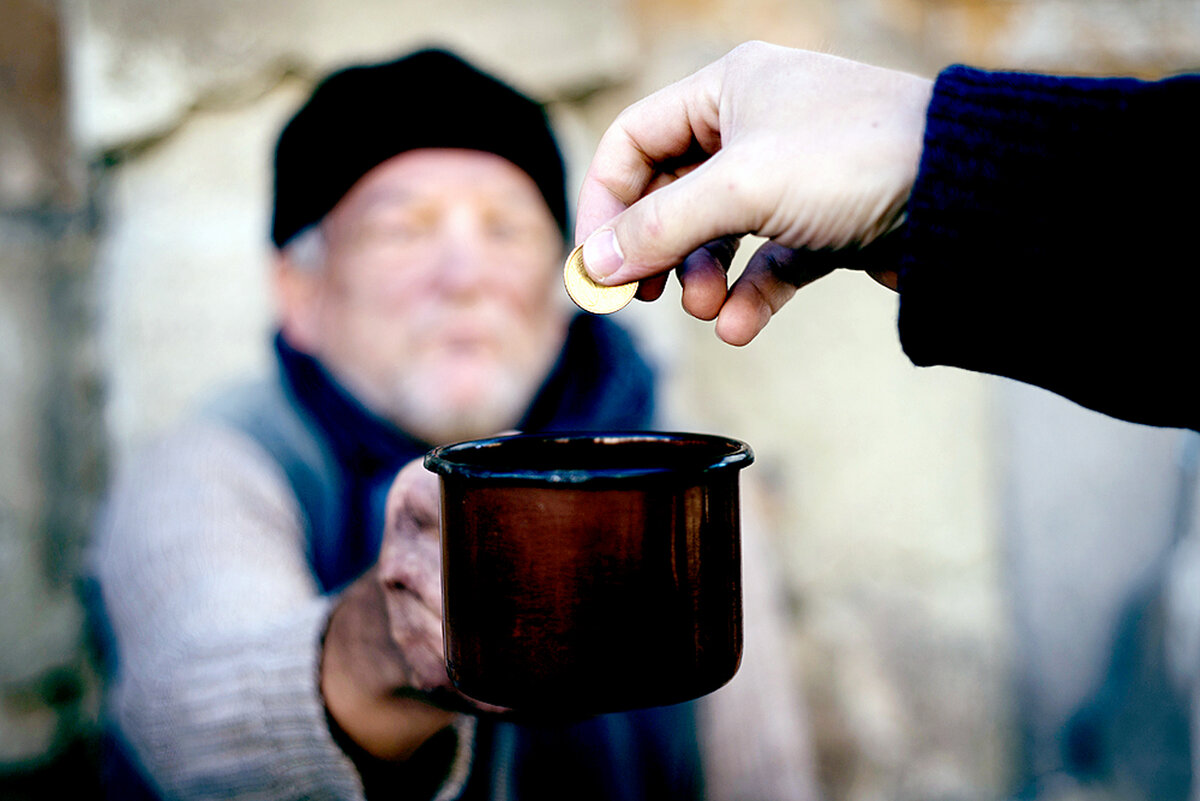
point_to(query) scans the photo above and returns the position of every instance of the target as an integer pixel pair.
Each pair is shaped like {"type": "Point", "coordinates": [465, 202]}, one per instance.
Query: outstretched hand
{"type": "Point", "coordinates": [383, 670]}
{"type": "Point", "coordinates": [816, 153]}
{"type": "Point", "coordinates": [409, 572]}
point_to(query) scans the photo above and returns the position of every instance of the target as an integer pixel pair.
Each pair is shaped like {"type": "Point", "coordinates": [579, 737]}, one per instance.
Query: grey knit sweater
{"type": "Point", "coordinates": [218, 622]}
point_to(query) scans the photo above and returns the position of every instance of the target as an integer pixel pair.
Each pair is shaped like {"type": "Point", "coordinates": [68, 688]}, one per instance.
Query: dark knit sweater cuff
{"type": "Point", "coordinates": [1044, 233]}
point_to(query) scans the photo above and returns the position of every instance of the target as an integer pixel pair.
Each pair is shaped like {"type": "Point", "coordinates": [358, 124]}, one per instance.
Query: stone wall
{"type": "Point", "coordinates": [52, 454]}
{"type": "Point", "coordinates": [133, 273]}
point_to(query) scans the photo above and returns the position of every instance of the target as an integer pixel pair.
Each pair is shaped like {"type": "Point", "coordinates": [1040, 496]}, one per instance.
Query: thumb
{"type": "Point", "coordinates": [659, 230]}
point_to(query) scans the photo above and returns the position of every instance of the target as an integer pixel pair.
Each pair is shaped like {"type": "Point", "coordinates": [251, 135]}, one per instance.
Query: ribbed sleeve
{"type": "Point", "coordinates": [218, 622]}
{"type": "Point", "coordinates": [1049, 238]}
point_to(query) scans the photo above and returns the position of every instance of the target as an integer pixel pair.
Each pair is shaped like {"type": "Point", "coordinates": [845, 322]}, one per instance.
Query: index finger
{"type": "Point", "coordinates": [665, 126]}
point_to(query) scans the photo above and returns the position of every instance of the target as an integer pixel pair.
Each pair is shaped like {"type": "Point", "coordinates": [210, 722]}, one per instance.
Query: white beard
{"type": "Point", "coordinates": [448, 389]}
{"type": "Point", "coordinates": [422, 403]}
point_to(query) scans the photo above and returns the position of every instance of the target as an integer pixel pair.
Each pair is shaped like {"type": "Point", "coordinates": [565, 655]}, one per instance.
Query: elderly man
{"type": "Point", "coordinates": [272, 587]}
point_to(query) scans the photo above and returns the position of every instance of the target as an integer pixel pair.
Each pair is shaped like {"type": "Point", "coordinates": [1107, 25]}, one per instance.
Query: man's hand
{"type": "Point", "coordinates": [383, 664]}
{"type": "Point", "coordinates": [813, 152]}
{"type": "Point", "coordinates": [409, 572]}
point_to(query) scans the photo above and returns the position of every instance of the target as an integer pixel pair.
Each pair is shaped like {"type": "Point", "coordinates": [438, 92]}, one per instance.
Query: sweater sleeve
{"type": "Point", "coordinates": [1048, 238]}
{"type": "Point", "coordinates": [217, 624]}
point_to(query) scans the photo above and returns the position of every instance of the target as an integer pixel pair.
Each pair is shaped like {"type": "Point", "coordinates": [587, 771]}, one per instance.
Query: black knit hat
{"type": "Point", "coordinates": [361, 116]}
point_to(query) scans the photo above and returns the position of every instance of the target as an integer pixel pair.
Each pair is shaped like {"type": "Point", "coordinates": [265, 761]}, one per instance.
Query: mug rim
{"type": "Point", "coordinates": [449, 460]}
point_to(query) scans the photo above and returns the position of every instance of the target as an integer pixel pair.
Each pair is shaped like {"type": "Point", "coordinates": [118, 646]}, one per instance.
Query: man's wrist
{"type": "Point", "coordinates": [362, 678]}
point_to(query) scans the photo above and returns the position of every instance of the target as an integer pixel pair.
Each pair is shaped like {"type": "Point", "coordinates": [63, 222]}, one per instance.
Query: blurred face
{"type": "Point", "coordinates": [436, 302]}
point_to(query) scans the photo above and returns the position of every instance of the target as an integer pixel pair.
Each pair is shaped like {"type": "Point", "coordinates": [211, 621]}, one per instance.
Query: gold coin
{"type": "Point", "coordinates": [590, 296]}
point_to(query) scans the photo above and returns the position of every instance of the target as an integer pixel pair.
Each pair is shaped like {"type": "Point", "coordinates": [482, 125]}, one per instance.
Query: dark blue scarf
{"type": "Point", "coordinates": [599, 382]}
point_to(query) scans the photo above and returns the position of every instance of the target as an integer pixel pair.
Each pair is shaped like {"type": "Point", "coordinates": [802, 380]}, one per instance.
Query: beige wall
{"type": "Point", "coordinates": [884, 479]}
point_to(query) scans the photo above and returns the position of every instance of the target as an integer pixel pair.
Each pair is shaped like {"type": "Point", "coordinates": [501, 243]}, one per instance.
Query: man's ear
{"type": "Point", "coordinates": [298, 302]}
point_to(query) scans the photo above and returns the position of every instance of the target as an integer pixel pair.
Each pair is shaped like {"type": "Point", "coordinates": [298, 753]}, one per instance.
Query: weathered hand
{"type": "Point", "coordinates": [409, 574]}
{"type": "Point", "coordinates": [811, 151]}
{"type": "Point", "coordinates": [383, 677]}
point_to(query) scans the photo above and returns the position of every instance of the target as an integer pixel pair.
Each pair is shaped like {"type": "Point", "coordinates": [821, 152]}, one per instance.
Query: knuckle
{"type": "Point", "coordinates": [749, 49]}
{"type": "Point", "coordinates": [641, 226]}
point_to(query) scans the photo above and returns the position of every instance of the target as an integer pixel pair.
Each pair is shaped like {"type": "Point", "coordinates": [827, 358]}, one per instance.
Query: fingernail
{"type": "Point", "coordinates": [601, 254]}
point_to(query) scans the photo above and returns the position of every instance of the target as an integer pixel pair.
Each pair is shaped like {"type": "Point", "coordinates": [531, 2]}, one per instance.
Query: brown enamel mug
{"type": "Point", "coordinates": [591, 573]}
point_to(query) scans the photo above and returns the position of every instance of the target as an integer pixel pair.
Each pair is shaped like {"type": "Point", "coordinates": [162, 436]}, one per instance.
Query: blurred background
{"type": "Point", "coordinates": [964, 556]}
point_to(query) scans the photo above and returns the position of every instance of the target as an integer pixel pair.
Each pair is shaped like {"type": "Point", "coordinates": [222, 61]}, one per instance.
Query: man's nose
{"type": "Point", "coordinates": [462, 255]}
